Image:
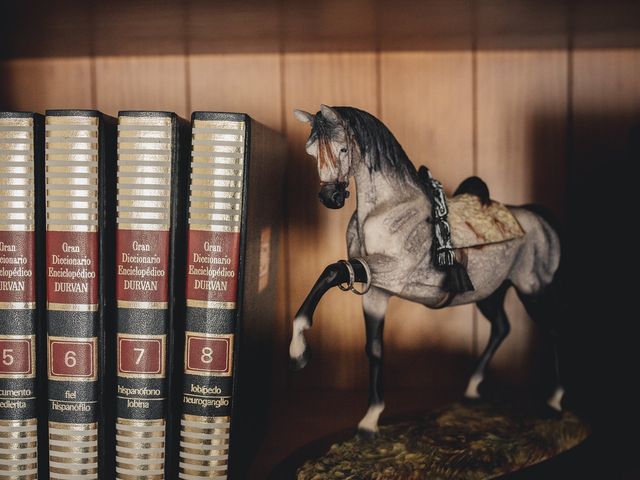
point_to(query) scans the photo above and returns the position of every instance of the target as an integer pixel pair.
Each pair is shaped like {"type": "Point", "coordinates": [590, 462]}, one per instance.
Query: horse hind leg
{"type": "Point", "coordinates": [544, 309]}
{"type": "Point", "coordinates": [492, 308]}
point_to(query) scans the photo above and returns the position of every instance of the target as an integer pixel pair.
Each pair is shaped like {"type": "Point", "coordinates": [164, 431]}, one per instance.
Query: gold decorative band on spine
{"type": "Point", "coordinates": [204, 447]}
{"type": "Point", "coordinates": [142, 226]}
{"type": "Point", "coordinates": [139, 476]}
{"type": "Point", "coordinates": [214, 228]}
{"type": "Point", "coordinates": [73, 307]}
{"type": "Point", "coordinates": [28, 425]}
{"type": "Point", "coordinates": [144, 170]}
{"type": "Point", "coordinates": [208, 304]}
{"type": "Point", "coordinates": [73, 450]}
{"type": "Point", "coordinates": [131, 304]}
{"type": "Point", "coordinates": [17, 305]}
{"type": "Point", "coordinates": [140, 449]}
{"type": "Point", "coordinates": [18, 449]}
{"type": "Point", "coordinates": [56, 473]}
{"type": "Point", "coordinates": [217, 152]}
{"type": "Point", "coordinates": [16, 175]}
{"type": "Point", "coordinates": [71, 173]}
{"type": "Point", "coordinates": [212, 475]}
{"type": "Point", "coordinates": [54, 227]}
{"type": "Point", "coordinates": [18, 472]}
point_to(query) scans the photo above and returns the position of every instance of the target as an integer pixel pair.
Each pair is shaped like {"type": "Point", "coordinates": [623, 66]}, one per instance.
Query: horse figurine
{"type": "Point", "coordinates": [400, 229]}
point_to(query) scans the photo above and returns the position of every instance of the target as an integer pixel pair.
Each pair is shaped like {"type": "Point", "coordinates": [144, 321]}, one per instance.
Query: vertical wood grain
{"type": "Point", "coordinates": [37, 84]}
{"type": "Point", "coordinates": [248, 83]}
{"type": "Point", "coordinates": [425, 98]}
{"type": "Point", "coordinates": [141, 83]}
{"type": "Point", "coordinates": [606, 79]}
{"type": "Point", "coordinates": [426, 101]}
{"type": "Point", "coordinates": [606, 102]}
{"type": "Point", "coordinates": [522, 112]}
{"type": "Point", "coordinates": [316, 234]}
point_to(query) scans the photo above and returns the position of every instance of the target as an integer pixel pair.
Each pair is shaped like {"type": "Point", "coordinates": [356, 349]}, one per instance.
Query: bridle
{"type": "Point", "coordinates": [326, 156]}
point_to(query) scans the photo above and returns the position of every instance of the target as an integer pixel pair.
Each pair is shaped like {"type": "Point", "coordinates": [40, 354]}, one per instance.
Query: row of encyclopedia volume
{"type": "Point", "coordinates": [137, 285]}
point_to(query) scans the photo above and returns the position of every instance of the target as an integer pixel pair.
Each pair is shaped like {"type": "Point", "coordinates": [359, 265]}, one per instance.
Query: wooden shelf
{"type": "Point", "coordinates": [37, 28]}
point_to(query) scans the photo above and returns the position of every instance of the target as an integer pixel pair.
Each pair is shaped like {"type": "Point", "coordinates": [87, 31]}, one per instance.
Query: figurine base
{"type": "Point", "coordinates": [469, 440]}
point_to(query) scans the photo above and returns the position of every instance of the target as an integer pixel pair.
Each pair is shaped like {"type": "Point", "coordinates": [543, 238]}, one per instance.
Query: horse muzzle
{"type": "Point", "coordinates": [333, 195]}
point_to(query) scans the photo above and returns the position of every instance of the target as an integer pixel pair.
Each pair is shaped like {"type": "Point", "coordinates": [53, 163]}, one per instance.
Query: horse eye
{"type": "Point", "coordinates": [343, 150]}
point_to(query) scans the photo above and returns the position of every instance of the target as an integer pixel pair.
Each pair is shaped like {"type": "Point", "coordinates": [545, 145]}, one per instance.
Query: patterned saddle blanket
{"type": "Point", "coordinates": [474, 224]}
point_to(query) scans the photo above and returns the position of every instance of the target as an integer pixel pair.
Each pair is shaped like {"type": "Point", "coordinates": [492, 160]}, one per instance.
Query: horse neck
{"type": "Point", "coordinates": [375, 190]}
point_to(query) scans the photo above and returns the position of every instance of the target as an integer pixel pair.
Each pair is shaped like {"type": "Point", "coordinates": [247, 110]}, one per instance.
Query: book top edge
{"type": "Point", "coordinates": [73, 113]}
{"type": "Point", "coordinates": [19, 115]}
{"type": "Point", "coordinates": [230, 116]}
{"type": "Point", "coordinates": [146, 113]}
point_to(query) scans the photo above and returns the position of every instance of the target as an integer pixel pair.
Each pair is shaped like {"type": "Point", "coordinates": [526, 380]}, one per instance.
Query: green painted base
{"type": "Point", "coordinates": [461, 441]}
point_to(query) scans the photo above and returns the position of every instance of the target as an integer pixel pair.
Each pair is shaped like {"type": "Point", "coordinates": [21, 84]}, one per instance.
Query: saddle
{"type": "Point", "coordinates": [474, 223]}
{"type": "Point", "coordinates": [469, 219]}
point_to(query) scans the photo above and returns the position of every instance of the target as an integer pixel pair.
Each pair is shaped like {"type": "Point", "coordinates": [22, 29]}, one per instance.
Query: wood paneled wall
{"type": "Point", "coordinates": [522, 122]}
{"type": "Point", "coordinates": [504, 115]}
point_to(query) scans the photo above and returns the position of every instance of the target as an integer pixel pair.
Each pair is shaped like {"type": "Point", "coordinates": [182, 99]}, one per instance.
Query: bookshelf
{"type": "Point", "coordinates": [512, 91]}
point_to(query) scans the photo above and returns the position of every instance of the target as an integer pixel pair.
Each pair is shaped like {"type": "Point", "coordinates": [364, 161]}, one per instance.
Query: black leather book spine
{"type": "Point", "coordinates": [152, 170]}
{"type": "Point", "coordinates": [80, 201]}
{"type": "Point", "coordinates": [21, 244]}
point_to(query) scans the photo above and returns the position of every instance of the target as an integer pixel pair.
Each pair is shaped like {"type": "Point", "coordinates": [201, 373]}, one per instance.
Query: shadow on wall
{"type": "Point", "coordinates": [589, 183]}
{"type": "Point", "coordinates": [303, 182]}
{"type": "Point", "coordinates": [544, 179]}
{"type": "Point", "coordinates": [547, 150]}
{"type": "Point", "coordinates": [430, 368]}
{"type": "Point", "coordinates": [601, 334]}
{"type": "Point", "coordinates": [5, 87]}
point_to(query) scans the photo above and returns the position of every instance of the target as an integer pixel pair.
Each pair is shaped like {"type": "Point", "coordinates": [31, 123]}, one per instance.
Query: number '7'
{"type": "Point", "coordinates": [140, 352]}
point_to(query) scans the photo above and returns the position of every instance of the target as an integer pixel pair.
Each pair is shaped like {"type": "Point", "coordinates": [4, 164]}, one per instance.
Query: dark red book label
{"type": "Point", "coordinates": [72, 266]}
{"type": "Point", "coordinates": [212, 268]}
{"type": "Point", "coordinates": [17, 357]}
{"type": "Point", "coordinates": [141, 356]}
{"type": "Point", "coordinates": [142, 268]}
{"type": "Point", "coordinates": [72, 359]}
{"type": "Point", "coordinates": [208, 354]}
{"type": "Point", "coordinates": [17, 284]}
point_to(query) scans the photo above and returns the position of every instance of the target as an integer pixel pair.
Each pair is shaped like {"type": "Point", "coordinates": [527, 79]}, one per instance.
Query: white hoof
{"type": "Point", "coordinates": [472, 387]}
{"type": "Point", "coordinates": [298, 345]}
{"type": "Point", "coordinates": [369, 422]}
{"type": "Point", "coordinates": [555, 401]}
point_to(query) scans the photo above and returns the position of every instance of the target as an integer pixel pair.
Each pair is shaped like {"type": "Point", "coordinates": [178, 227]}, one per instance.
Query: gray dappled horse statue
{"type": "Point", "coordinates": [393, 241]}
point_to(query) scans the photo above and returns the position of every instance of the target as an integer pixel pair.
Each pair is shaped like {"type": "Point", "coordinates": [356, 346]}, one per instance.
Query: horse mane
{"type": "Point", "coordinates": [378, 147]}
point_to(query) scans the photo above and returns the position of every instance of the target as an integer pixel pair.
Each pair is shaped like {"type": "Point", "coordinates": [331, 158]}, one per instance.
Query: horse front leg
{"type": "Point", "coordinates": [374, 304]}
{"type": "Point", "coordinates": [335, 274]}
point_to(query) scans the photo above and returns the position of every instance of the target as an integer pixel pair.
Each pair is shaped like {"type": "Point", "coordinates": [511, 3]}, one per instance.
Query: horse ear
{"type": "Point", "coordinates": [330, 114]}
{"type": "Point", "coordinates": [302, 116]}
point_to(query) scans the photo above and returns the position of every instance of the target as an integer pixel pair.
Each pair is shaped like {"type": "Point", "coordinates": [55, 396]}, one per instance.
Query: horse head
{"type": "Point", "coordinates": [331, 144]}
